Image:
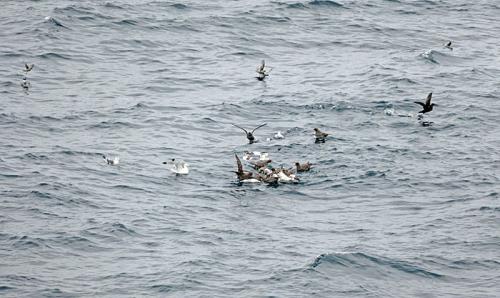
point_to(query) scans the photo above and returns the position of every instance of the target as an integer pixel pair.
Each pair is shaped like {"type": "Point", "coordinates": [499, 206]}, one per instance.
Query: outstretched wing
{"type": "Point", "coordinates": [428, 101]}
{"type": "Point", "coordinates": [259, 127]}
{"type": "Point", "coordinates": [420, 103]}
{"type": "Point", "coordinates": [241, 128]}
{"type": "Point", "coordinates": [238, 163]}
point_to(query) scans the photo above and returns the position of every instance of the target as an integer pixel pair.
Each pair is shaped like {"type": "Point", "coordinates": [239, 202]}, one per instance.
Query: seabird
{"type": "Point", "coordinates": [260, 163]}
{"type": "Point", "coordinates": [269, 179]}
{"type": "Point", "coordinates": [255, 155]}
{"type": "Point", "coordinates": [28, 68]}
{"type": "Point", "coordinates": [112, 162]}
{"type": "Point", "coordinates": [303, 167]}
{"type": "Point", "coordinates": [278, 136]}
{"type": "Point", "coordinates": [320, 136]}
{"type": "Point", "coordinates": [286, 176]}
{"type": "Point", "coordinates": [25, 84]}
{"type": "Point", "coordinates": [261, 70]}
{"type": "Point", "coordinates": [250, 137]}
{"type": "Point", "coordinates": [448, 45]}
{"type": "Point", "coordinates": [242, 175]}
{"type": "Point", "coordinates": [178, 167]}
{"type": "Point", "coordinates": [427, 105]}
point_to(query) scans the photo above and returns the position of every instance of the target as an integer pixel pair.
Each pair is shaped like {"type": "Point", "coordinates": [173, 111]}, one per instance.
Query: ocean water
{"type": "Point", "coordinates": [393, 207]}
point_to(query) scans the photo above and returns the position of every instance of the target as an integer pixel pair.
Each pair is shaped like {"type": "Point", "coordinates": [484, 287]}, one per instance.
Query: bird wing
{"type": "Point", "coordinates": [241, 128]}
{"type": "Point", "coordinates": [238, 163]}
{"type": "Point", "coordinates": [428, 101]}
{"type": "Point", "coordinates": [420, 103]}
{"type": "Point", "coordinates": [259, 127]}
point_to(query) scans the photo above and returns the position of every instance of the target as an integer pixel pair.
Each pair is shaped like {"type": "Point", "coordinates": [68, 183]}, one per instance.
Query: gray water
{"type": "Point", "coordinates": [392, 208]}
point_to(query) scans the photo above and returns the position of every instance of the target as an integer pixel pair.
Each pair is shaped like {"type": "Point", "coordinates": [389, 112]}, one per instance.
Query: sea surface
{"type": "Point", "coordinates": [393, 207]}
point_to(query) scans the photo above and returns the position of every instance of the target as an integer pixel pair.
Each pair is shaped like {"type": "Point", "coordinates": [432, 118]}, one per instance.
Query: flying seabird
{"type": "Point", "coordinates": [178, 167]}
{"type": "Point", "coordinates": [448, 45]}
{"type": "Point", "coordinates": [112, 161]}
{"type": "Point", "coordinates": [320, 136]}
{"type": "Point", "coordinates": [27, 67]}
{"type": "Point", "coordinates": [303, 167]}
{"type": "Point", "coordinates": [250, 137]}
{"type": "Point", "coordinates": [427, 105]}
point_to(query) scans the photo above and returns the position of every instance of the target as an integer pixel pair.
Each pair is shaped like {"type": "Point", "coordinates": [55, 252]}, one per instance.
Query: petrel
{"type": "Point", "coordinates": [28, 68]}
{"type": "Point", "coordinates": [261, 70]}
{"type": "Point", "coordinates": [250, 137]}
{"type": "Point", "coordinates": [427, 105]}
{"type": "Point", "coordinates": [242, 175]}
{"type": "Point", "coordinates": [320, 136]}
{"type": "Point", "coordinates": [303, 167]}
{"type": "Point", "coordinates": [448, 45]}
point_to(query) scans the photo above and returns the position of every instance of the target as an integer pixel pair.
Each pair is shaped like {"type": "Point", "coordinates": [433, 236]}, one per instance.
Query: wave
{"type": "Point", "coordinates": [311, 4]}
{"type": "Point", "coordinates": [366, 263]}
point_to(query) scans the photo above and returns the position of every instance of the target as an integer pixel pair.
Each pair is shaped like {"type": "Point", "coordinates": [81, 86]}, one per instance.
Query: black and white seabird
{"type": "Point", "coordinates": [261, 70]}
{"type": "Point", "coordinates": [427, 105]}
{"type": "Point", "coordinates": [25, 84]}
{"type": "Point", "coordinates": [27, 67]}
{"type": "Point", "coordinates": [250, 137]}
{"type": "Point", "coordinates": [112, 161]}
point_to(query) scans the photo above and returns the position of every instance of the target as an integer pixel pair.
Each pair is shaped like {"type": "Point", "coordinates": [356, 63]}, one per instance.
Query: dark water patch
{"type": "Point", "coordinates": [114, 5]}
{"type": "Point", "coordinates": [53, 56]}
{"type": "Point", "coordinates": [179, 6]}
{"type": "Point", "coordinates": [27, 242]}
{"type": "Point", "coordinates": [127, 22]}
{"type": "Point", "coordinates": [325, 3]}
{"type": "Point", "coordinates": [361, 261]}
{"type": "Point", "coordinates": [6, 288]}
{"type": "Point", "coordinates": [113, 125]}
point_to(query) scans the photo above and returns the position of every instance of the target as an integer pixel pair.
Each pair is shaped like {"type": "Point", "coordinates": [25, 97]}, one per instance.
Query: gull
{"type": "Point", "coordinates": [178, 167]}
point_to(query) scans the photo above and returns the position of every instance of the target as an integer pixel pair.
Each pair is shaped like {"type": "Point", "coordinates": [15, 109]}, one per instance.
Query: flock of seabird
{"type": "Point", "coordinates": [258, 161]}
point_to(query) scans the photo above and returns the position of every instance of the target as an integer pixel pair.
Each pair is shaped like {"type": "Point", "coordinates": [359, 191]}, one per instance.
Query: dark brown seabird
{"type": "Point", "coordinates": [303, 167]}
{"type": "Point", "coordinates": [242, 175]}
{"type": "Point", "coordinates": [250, 137]}
{"type": "Point", "coordinates": [427, 105]}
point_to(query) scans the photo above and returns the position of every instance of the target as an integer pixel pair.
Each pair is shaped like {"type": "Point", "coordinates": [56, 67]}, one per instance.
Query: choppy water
{"type": "Point", "coordinates": [391, 208]}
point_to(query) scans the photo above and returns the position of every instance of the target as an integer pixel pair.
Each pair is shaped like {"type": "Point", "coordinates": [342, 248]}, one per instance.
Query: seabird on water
{"type": "Point", "coordinates": [250, 137]}
{"type": "Point", "coordinates": [278, 136]}
{"type": "Point", "coordinates": [303, 167]}
{"type": "Point", "coordinates": [178, 167]}
{"type": "Point", "coordinates": [319, 135]}
{"type": "Point", "coordinates": [112, 161]}
{"type": "Point", "coordinates": [261, 70]}
{"type": "Point", "coordinates": [427, 105]}
{"type": "Point", "coordinates": [260, 163]}
{"type": "Point", "coordinates": [25, 84]}
{"type": "Point", "coordinates": [242, 175]}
